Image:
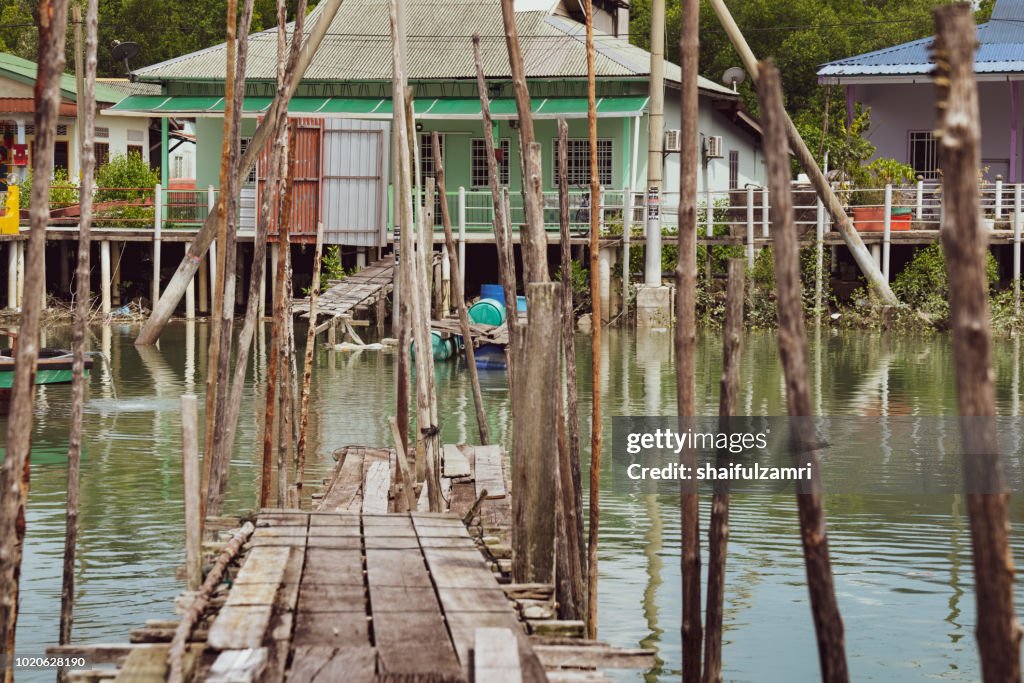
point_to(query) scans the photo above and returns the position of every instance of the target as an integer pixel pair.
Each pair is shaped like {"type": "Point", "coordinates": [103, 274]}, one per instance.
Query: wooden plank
{"type": "Point", "coordinates": [587, 657]}
{"type": "Point", "coordinates": [264, 565]}
{"type": "Point", "coordinates": [331, 629]}
{"type": "Point", "coordinates": [324, 518]}
{"type": "Point", "coordinates": [489, 471]}
{"type": "Point", "coordinates": [448, 541]}
{"type": "Point", "coordinates": [94, 653]}
{"type": "Point", "coordinates": [496, 656]}
{"type": "Point", "coordinates": [240, 628]}
{"type": "Point", "coordinates": [280, 531]}
{"type": "Point", "coordinates": [326, 565]}
{"type": "Point", "coordinates": [458, 568]}
{"type": "Point", "coordinates": [330, 597]}
{"type": "Point", "coordinates": [145, 664]}
{"type": "Point", "coordinates": [391, 542]}
{"type": "Point", "coordinates": [325, 664]}
{"type": "Point", "coordinates": [403, 599]}
{"type": "Point", "coordinates": [455, 463]}
{"type": "Point", "coordinates": [396, 632]}
{"type": "Point", "coordinates": [252, 594]}
{"type": "Point", "coordinates": [336, 542]}
{"type": "Point", "coordinates": [375, 487]}
{"type": "Point", "coordinates": [472, 599]}
{"type": "Point", "coordinates": [396, 568]}
{"type": "Point", "coordinates": [346, 486]}
{"type": "Point", "coordinates": [238, 666]}
{"type": "Point", "coordinates": [320, 531]}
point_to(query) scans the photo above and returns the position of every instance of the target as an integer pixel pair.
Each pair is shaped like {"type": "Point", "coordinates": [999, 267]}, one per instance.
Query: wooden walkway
{"type": "Point", "coordinates": [355, 294]}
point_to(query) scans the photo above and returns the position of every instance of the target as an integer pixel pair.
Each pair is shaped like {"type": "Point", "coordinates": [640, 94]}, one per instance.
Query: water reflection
{"type": "Point", "coordinates": [903, 570]}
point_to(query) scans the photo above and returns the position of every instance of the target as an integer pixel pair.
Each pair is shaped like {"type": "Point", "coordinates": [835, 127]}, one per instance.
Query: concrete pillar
{"type": "Point", "coordinates": [21, 273]}
{"type": "Point", "coordinates": [876, 253]}
{"type": "Point", "coordinates": [204, 288]}
{"type": "Point", "coordinates": [213, 272]}
{"type": "Point", "coordinates": [654, 308]}
{"type": "Point", "coordinates": [605, 258]}
{"type": "Point", "coordinates": [12, 274]}
{"type": "Point", "coordinates": [115, 276]}
{"type": "Point", "coordinates": [360, 258]}
{"type": "Point", "coordinates": [190, 300]}
{"type": "Point", "coordinates": [105, 276]}
{"type": "Point", "coordinates": [42, 278]}
{"type": "Point", "coordinates": [157, 227]}
{"type": "Point", "coordinates": [262, 306]}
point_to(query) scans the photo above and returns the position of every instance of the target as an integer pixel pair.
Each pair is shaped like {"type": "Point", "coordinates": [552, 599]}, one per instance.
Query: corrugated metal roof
{"type": "Point", "coordinates": [23, 70]}
{"type": "Point", "coordinates": [1000, 50]}
{"type": "Point", "coordinates": [126, 87]}
{"type": "Point", "coordinates": [358, 47]}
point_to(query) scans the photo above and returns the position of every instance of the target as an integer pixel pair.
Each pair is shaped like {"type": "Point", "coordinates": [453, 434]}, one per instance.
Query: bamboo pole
{"type": "Point", "coordinates": [85, 76]}
{"type": "Point", "coordinates": [307, 370]}
{"type": "Point", "coordinates": [14, 475]}
{"type": "Point", "coordinates": [179, 643]}
{"type": "Point", "coordinates": [595, 332]}
{"type": "Point", "coordinates": [501, 240]}
{"type": "Point", "coordinates": [429, 433]}
{"type": "Point", "coordinates": [828, 623]}
{"type": "Point", "coordinates": [718, 533]}
{"type": "Point", "coordinates": [458, 294]}
{"type": "Point", "coordinates": [686, 335]}
{"type": "Point", "coordinates": [844, 225]}
{"type": "Point", "coordinates": [175, 289]}
{"type": "Point", "coordinates": [572, 599]}
{"type": "Point", "coordinates": [964, 242]}
{"type": "Point", "coordinates": [283, 323]}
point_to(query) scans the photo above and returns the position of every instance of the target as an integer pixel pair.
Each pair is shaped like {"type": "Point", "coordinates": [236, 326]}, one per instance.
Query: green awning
{"type": "Point", "coordinates": [376, 108]}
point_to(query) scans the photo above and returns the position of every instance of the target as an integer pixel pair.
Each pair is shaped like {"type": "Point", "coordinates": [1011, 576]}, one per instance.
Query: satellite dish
{"type": "Point", "coordinates": [733, 76]}
{"type": "Point", "coordinates": [122, 52]}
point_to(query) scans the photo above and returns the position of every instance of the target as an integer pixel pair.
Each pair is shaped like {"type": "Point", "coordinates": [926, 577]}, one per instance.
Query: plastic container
{"type": "Point", "coordinates": [490, 357]}
{"type": "Point", "coordinates": [443, 348]}
{"type": "Point", "coordinates": [487, 312]}
{"type": "Point", "coordinates": [493, 292]}
{"type": "Point", "coordinates": [521, 304]}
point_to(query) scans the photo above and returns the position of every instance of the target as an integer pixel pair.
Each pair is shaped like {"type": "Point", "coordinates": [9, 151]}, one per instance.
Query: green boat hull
{"type": "Point", "coordinates": [53, 367]}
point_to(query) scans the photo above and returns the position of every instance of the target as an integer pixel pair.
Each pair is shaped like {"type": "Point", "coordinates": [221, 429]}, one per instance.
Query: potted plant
{"type": "Point", "coordinates": [869, 203]}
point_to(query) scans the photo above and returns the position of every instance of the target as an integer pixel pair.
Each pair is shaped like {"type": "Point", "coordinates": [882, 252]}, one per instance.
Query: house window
{"type": "Point", "coordinates": [102, 153]}
{"type": "Point", "coordinates": [734, 169]}
{"type": "Point", "coordinates": [60, 154]}
{"type": "Point", "coordinates": [135, 149]}
{"type": "Point", "coordinates": [102, 132]}
{"type": "Point", "coordinates": [427, 155]}
{"type": "Point", "coordinates": [478, 162]}
{"type": "Point", "coordinates": [578, 156]}
{"type": "Point", "coordinates": [924, 153]}
{"type": "Point", "coordinates": [242, 149]}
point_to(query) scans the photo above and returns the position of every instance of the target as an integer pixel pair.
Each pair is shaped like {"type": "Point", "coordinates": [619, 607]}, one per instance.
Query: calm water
{"type": "Point", "coordinates": [902, 565]}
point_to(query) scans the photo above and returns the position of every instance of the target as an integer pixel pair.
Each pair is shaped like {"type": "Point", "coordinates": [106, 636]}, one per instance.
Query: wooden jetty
{"type": "Point", "coordinates": [354, 295]}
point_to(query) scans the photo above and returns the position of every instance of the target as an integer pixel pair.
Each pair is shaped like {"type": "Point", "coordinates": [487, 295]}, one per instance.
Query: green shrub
{"type": "Point", "coordinates": [129, 181]}
{"type": "Point", "coordinates": [63, 191]}
{"type": "Point", "coordinates": [923, 284]}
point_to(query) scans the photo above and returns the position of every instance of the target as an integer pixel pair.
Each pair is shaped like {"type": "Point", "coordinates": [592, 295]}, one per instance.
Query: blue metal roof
{"type": "Point", "coordinates": [1001, 50]}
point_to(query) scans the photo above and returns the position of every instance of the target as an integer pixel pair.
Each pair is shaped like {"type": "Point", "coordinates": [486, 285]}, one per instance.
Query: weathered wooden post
{"type": "Point", "coordinates": [104, 277]}
{"type": "Point", "coordinates": [1018, 223]}
{"type": "Point", "coordinates": [191, 481]}
{"type": "Point", "coordinates": [819, 257]}
{"type": "Point", "coordinates": [158, 222]}
{"type": "Point", "coordinates": [686, 335]}
{"type": "Point", "coordinates": [85, 76]}
{"type": "Point", "coordinates": [534, 476]}
{"type": "Point", "coordinates": [828, 623]}
{"type": "Point", "coordinates": [718, 532]}
{"type": "Point", "coordinates": [14, 474]}
{"type": "Point", "coordinates": [965, 245]}
{"type": "Point", "coordinates": [307, 366]}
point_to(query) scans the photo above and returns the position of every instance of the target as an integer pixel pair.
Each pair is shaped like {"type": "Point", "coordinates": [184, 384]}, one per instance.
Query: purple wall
{"type": "Point", "coordinates": [898, 108]}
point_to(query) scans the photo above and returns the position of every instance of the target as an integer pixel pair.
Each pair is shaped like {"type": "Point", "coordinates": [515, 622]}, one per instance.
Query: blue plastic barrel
{"type": "Point", "coordinates": [493, 292]}
{"type": "Point", "coordinates": [521, 304]}
{"type": "Point", "coordinates": [490, 357]}
{"type": "Point", "coordinates": [487, 312]}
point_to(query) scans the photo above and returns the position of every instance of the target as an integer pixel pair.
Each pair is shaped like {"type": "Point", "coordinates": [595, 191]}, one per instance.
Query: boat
{"type": "Point", "coordinates": [53, 367]}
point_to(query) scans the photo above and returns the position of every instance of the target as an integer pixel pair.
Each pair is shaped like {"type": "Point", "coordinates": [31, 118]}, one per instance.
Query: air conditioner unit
{"type": "Point", "coordinates": [673, 140]}
{"type": "Point", "coordinates": [713, 149]}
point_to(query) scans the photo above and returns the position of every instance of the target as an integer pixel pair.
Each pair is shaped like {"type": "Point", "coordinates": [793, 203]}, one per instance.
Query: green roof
{"type": "Point", "coordinates": [23, 70]}
{"type": "Point", "coordinates": [372, 107]}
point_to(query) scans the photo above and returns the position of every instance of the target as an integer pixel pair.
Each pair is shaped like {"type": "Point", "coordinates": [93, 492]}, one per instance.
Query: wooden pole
{"type": "Point", "coordinates": [501, 239]}
{"type": "Point", "coordinates": [14, 475]}
{"type": "Point", "coordinates": [429, 432]}
{"type": "Point", "coordinates": [686, 335]}
{"type": "Point", "coordinates": [303, 48]}
{"type": "Point", "coordinates": [569, 464]}
{"type": "Point", "coordinates": [828, 623]}
{"type": "Point", "coordinates": [283, 314]}
{"type": "Point", "coordinates": [307, 370]}
{"type": "Point", "coordinates": [85, 77]}
{"type": "Point", "coordinates": [534, 480]}
{"type": "Point", "coordinates": [964, 242]}
{"type": "Point", "coordinates": [220, 432]}
{"type": "Point", "coordinates": [190, 468]}
{"type": "Point", "coordinates": [718, 533]}
{"type": "Point", "coordinates": [534, 243]}
{"type": "Point", "coordinates": [458, 294]}
{"type": "Point", "coordinates": [842, 221]}
{"type": "Point", "coordinates": [595, 332]}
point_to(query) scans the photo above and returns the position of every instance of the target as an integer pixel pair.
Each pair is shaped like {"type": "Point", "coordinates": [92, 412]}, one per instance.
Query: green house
{"type": "Point", "coordinates": [343, 107]}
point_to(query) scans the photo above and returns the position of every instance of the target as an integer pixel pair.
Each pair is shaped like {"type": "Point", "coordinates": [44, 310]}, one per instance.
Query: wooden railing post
{"type": "Point", "coordinates": [1018, 219]}
{"type": "Point", "coordinates": [920, 198]}
{"type": "Point", "coordinates": [750, 226]}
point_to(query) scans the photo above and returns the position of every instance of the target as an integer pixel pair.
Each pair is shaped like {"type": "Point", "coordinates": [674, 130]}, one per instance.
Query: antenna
{"type": "Point", "coordinates": [122, 52]}
{"type": "Point", "coordinates": [733, 76]}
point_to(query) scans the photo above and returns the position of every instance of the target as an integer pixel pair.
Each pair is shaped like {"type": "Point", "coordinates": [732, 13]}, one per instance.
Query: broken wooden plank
{"type": "Point", "coordinates": [240, 628]}
{"type": "Point", "coordinates": [347, 485]}
{"type": "Point", "coordinates": [586, 657]}
{"type": "Point", "coordinates": [375, 487]}
{"type": "Point", "coordinates": [326, 664]}
{"type": "Point", "coordinates": [455, 463]}
{"type": "Point", "coordinates": [238, 666]}
{"type": "Point", "coordinates": [489, 472]}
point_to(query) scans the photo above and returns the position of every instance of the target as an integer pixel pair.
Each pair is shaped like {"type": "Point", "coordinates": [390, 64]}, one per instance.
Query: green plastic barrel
{"type": "Point", "coordinates": [487, 312]}
{"type": "Point", "coordinates": [443, 348]}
